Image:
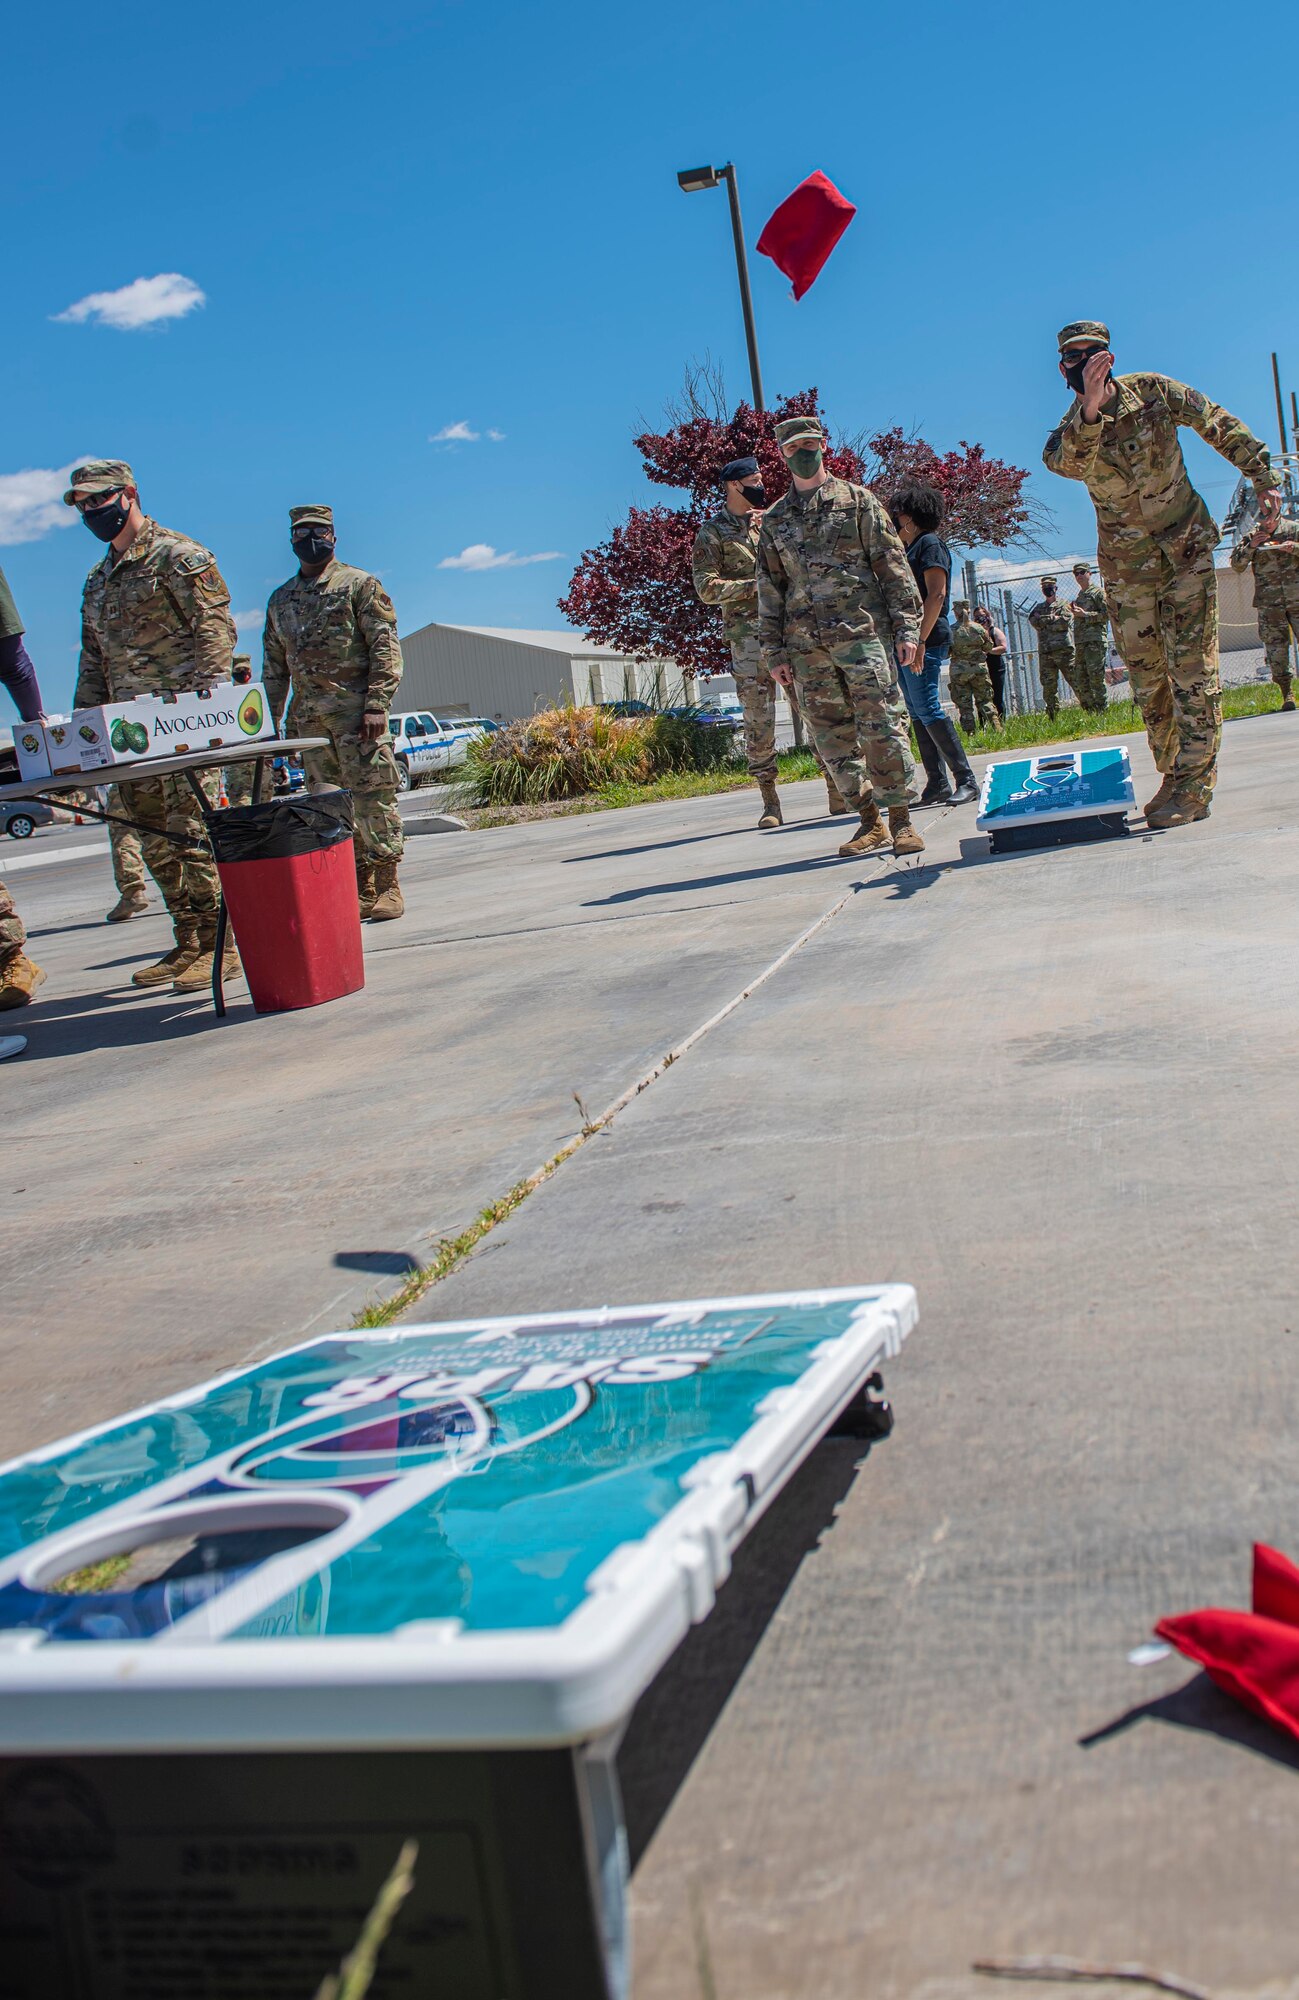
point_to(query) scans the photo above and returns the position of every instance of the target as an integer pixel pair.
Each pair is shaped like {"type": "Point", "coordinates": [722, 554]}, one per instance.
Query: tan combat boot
{"type": "Point", "coordinates": [1167, 786]}
{"type": "Point", "coordinates": [131, 903]}
{"type": "Point", "coordinates": [1285, 683]}
{"type": "Point", "coordinates": [196, 977]}
{"type": "Point", "coordinates": [905, 838]}
{"type": "Point", "coordinates": [365, 889]}
{"type": "Point", "coordinates": [771, 813]}
{"type": "Point", "coordinates": [388, 900]}
{"type": "Point", "coordinates": [19, 978]}
{"type": "Point", "coordinates": [1182, 809]}
{"type": "Point", "coordinates": [836, 804]}
{"type": "Point", "coordinates": [182, 953]}
{"type": "Point", "coordinates": [870, 836]}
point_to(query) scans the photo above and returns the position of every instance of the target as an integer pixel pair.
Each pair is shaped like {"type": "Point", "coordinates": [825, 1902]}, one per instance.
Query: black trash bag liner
{"type": "Point", "coordinates": [279, 828]}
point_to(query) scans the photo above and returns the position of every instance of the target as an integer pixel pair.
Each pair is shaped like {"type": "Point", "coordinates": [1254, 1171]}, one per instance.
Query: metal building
{"type": "Point", "coordinates": [494, 671]}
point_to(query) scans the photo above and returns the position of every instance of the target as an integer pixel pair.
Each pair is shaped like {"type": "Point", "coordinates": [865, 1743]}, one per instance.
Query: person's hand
{"type": "Point", "coordinates": [783, 675]}
{"type": "Point", "coordinates": [373, 724]}
{"type": "Point", "coordinates": [1096, 380]}
{"type": "Point", "coordinates": [1269, 511]}
{"type": "Point", "coordinates": [909, 656]}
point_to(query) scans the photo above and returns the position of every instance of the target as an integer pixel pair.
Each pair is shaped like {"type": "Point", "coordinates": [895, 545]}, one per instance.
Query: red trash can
{"type": "Point", "coordinates": [288, 875]}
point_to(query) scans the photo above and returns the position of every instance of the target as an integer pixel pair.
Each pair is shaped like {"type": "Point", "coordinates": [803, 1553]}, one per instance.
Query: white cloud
{"type": "Point", "coordinates": [463, 433]}
{"type": "Point", "coordinates": [481, 555]}
{"type": "Point", "coordinates": [31, 503]}
{"type": "Point", "coordinates": [249, 621]}
{"type": "Point", "coordinates": [143, 303]}
{"type": "Point", "coordinates": [1000, 569]}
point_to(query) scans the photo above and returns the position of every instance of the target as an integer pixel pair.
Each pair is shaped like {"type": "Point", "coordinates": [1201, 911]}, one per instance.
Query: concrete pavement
{"type": "Point", "coordinates": [1052, 1091]}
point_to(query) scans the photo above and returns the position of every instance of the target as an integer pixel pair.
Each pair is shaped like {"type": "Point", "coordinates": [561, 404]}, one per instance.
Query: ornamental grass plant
{"type": "Point", "coordinates": [567, 752]}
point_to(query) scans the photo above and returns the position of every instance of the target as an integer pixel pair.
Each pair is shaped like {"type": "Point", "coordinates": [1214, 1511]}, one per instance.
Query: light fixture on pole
{"type": "Point", "coordinates": [691, 180]}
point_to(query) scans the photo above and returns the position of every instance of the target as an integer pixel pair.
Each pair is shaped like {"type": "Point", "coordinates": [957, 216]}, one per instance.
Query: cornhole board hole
{"type": "Point", "coordinates": [384, 1587]}
{"type": "Point", "coordinates": [1057, 798]}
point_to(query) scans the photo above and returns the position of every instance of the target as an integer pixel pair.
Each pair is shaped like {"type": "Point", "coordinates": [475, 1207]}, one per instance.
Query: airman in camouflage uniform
{"type": "Point", "coordinates": [128, 863]}
{"type": "Point", "coordinates": [19, 975]}
{"type": "Point", "coordinates": [968, 678]}
{"type": "Point", "coordinates": [331, 632]}
{"type": "Point", "coordinates": [836, 598]}
{"type": "Point", "coordinates": [1053, 624]}
{"type": "Point", "coordinates": [1156, 544]}
{"type": "Point", "coordinates": [1276, 596]}
{"type": "Point", "coordinates": [1091, 624]}
{"type": "Point", "coordinates": [155, 619]}
{"type": "Point", "coordinates": [724, 569]}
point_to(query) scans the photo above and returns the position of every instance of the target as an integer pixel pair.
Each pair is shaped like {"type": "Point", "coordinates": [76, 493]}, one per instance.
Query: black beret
{"type": "Point", "coordinates": [739, 468]}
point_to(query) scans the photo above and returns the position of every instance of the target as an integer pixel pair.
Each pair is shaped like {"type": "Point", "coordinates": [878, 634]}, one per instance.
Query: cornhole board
{"type": "Point", "coordinates": [1057, 798]}
{"type": "Point", "coordinates": [389, 1586]}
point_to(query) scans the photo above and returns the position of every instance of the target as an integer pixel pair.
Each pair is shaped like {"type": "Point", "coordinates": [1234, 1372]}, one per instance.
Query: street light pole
{"type": "Point", "coordinates": [691, 180]}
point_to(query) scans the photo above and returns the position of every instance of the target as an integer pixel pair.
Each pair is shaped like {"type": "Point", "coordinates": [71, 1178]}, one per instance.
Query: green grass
{"type": "Point", "coordinates": [1121, 718]}
{"type": "Point", "coordinates": [94, 1577]}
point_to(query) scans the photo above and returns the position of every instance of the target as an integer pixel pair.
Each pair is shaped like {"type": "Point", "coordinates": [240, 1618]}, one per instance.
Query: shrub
{"type": "Point", "coordinates": [564, 752]}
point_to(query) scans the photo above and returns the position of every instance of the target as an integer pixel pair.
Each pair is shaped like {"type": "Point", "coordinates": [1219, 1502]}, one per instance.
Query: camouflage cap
{"type": "Point", "coordinates": [300, 516]}
{"type": "Point", "coordinates": [1048, 579]}
{"type": "Point", "coordinates": [960, 604]}
{"type": "Point", "coordinates": [1082, 569]}
{"type": "Point", "coordinates": [1080, 331]}
{"type": "Point", "coordinates": [98, 475]}
{"type": "Point", "coordinates": [794, 428]}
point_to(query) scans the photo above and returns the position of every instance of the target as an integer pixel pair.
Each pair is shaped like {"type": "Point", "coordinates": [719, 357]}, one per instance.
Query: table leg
{"type": "Point", "coordinates": [218, 960]}
{"type": "Point", "coordinates": [259, 780]}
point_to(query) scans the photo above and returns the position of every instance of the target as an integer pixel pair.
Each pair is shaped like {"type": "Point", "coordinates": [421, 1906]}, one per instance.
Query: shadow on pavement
{"type": "Point", "coordinates": [388, 1263]}
{"type": "Point", "coordinates": [1200, 1705]}
{"type": "Point", "coordinates": [674, 1718]}
{"type": "Point", "coordinates": [121, 1020]}
{"type": "Point", "coordinates": [682, 888]}
{"type": "Point", "coordinates": [720, 833]}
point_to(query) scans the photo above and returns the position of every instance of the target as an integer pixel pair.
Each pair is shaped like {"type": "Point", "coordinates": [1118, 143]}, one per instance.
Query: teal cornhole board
{"type": "Point", "coordinates": [386, 1587]}
{"type": "Point", "coordinates": [1057, 797]}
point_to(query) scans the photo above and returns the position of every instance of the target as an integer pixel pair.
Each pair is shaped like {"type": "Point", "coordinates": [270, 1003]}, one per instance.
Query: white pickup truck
{"type": "Point", "coordinates": [424, 747]}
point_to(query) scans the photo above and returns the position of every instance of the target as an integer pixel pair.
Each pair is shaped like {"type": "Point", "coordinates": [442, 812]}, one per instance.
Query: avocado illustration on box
{"type": "Point", "coordinates": [251, 711]}
{"type": "Point", "coordinates": [129, 739]}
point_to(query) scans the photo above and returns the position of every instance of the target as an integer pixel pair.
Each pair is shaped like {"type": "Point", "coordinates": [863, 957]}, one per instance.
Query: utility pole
{"type": "Point", "coordinates": [1280, 406]}
{"type": "Point", "coordinates": [691, 180]}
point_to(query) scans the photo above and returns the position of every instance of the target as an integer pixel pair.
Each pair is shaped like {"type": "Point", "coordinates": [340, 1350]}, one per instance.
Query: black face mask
{"type": "Point", "coordinates": [1074, 376]}
{"type": "Point", "coordinates": [313, 548]}
{"type": "Point", "coordinates": [107, 522]}
{"type": "Point", "coordinates": [755, 495]}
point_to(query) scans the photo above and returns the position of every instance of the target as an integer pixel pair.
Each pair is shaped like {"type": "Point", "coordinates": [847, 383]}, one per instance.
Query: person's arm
{"type": "Point", "coordinates": [931, 610]}
{"type": "Point", "coordinates": [200, 593]}
{"type": "Point", "coordinates": [1000, 643]}
{"type": "Point", "coordinates": [377, 622]}
{"type": "Point", "coordinates": [1232, 439]}
{"type": "Point", "coordinates": [275, 669]}
{"type": "Point", "coordinates": [771, 612]}
{"type": "Point", "coordinates": [711, 587]}
{"type": "Point", "coordinates": [18, 677]}
{"type": "Point", "coordinates": [888, 559]}
{"type": "Point", "coordinates": [92, 675]}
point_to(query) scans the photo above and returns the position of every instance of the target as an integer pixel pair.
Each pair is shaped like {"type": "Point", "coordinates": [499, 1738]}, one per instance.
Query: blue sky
{"type": "Point", "coordinates": [406, 218]}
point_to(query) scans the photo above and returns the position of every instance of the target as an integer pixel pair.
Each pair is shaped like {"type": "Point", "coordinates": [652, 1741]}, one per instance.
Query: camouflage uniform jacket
{"type": "Point", "coordinates": [724, 567]}
{"type": "Point", "coordinates": [1091, 618]}
{"type": "Point", "coordinates": [1278, 556]}
{"type": "Point", "coordinates": [832, 572]}
{"type": "Point", "coordinates": [971, 645]}
{"type": "Point", "coordinates": [335, 637]}
{"type": "Point", "coordinates": [1131, 462]}
{"type": "Point", "coordinates": [154, 621]}
{"type": "Point", "coordinates": [1053, 623]}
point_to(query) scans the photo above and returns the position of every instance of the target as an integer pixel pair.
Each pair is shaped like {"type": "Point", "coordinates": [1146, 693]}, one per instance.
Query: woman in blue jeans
{"type": "Point", "coordinates": [917, 512]}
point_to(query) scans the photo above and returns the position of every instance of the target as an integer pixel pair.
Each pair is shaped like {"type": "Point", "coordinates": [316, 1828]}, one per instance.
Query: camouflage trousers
{"type": "Point", "coordinates": [757, 697]}
{"type": "Point", "coordinates": [1052, 667]}
{"type": "Point", "coordinates": [972, 696]}
{"type": "Point", "coordinates": [1165, 623]}
{"type": "Point", "coordinates": [238, 781]}
{"type": "Point", "coordinates": [1276, 600]}
{"type": "Point", "coordinates": [853, 707]}
{"type": "Point", "coordinates": [12, 935]}
{"type": "Point", "coordinates": [128, 855]}
{"type": "Point", "coordinates": [1089, 675]}
{"type": "Point", "coordinates": [367, 770]}
{"type": "Point", "coordinates": [188, 882]}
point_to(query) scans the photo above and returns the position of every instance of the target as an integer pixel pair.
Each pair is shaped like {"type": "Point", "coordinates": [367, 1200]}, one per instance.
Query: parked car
{"type": "Point", "coordinates": [711, 718]}
{"type": "Point", "coordinates": [21, 819]}
{"type": "Point", "coordinates": [424, 747]}
{"type": "Point", "coordinates": [474, 725]}
{"type": "Point", "coordinates": [626, 708]}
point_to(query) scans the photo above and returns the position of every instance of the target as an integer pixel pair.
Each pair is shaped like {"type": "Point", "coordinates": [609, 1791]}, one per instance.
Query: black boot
{"type": "Point", "coordinates": [949, 743]}
{"type": "Point", "coordinates": [937, 791]}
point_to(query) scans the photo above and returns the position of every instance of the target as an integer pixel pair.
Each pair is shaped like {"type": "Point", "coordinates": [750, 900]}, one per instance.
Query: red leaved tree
{"type": "Point", "coordinates": [634, 591]}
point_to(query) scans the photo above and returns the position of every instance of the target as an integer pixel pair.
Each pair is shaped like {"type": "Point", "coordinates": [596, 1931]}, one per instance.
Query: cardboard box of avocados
{"type": "Point", "coordinates": [32, 750]}
{"type": "Point", "coordinates": [61, 746]}
{"type": "Point", "coordinates": [162, 726]}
